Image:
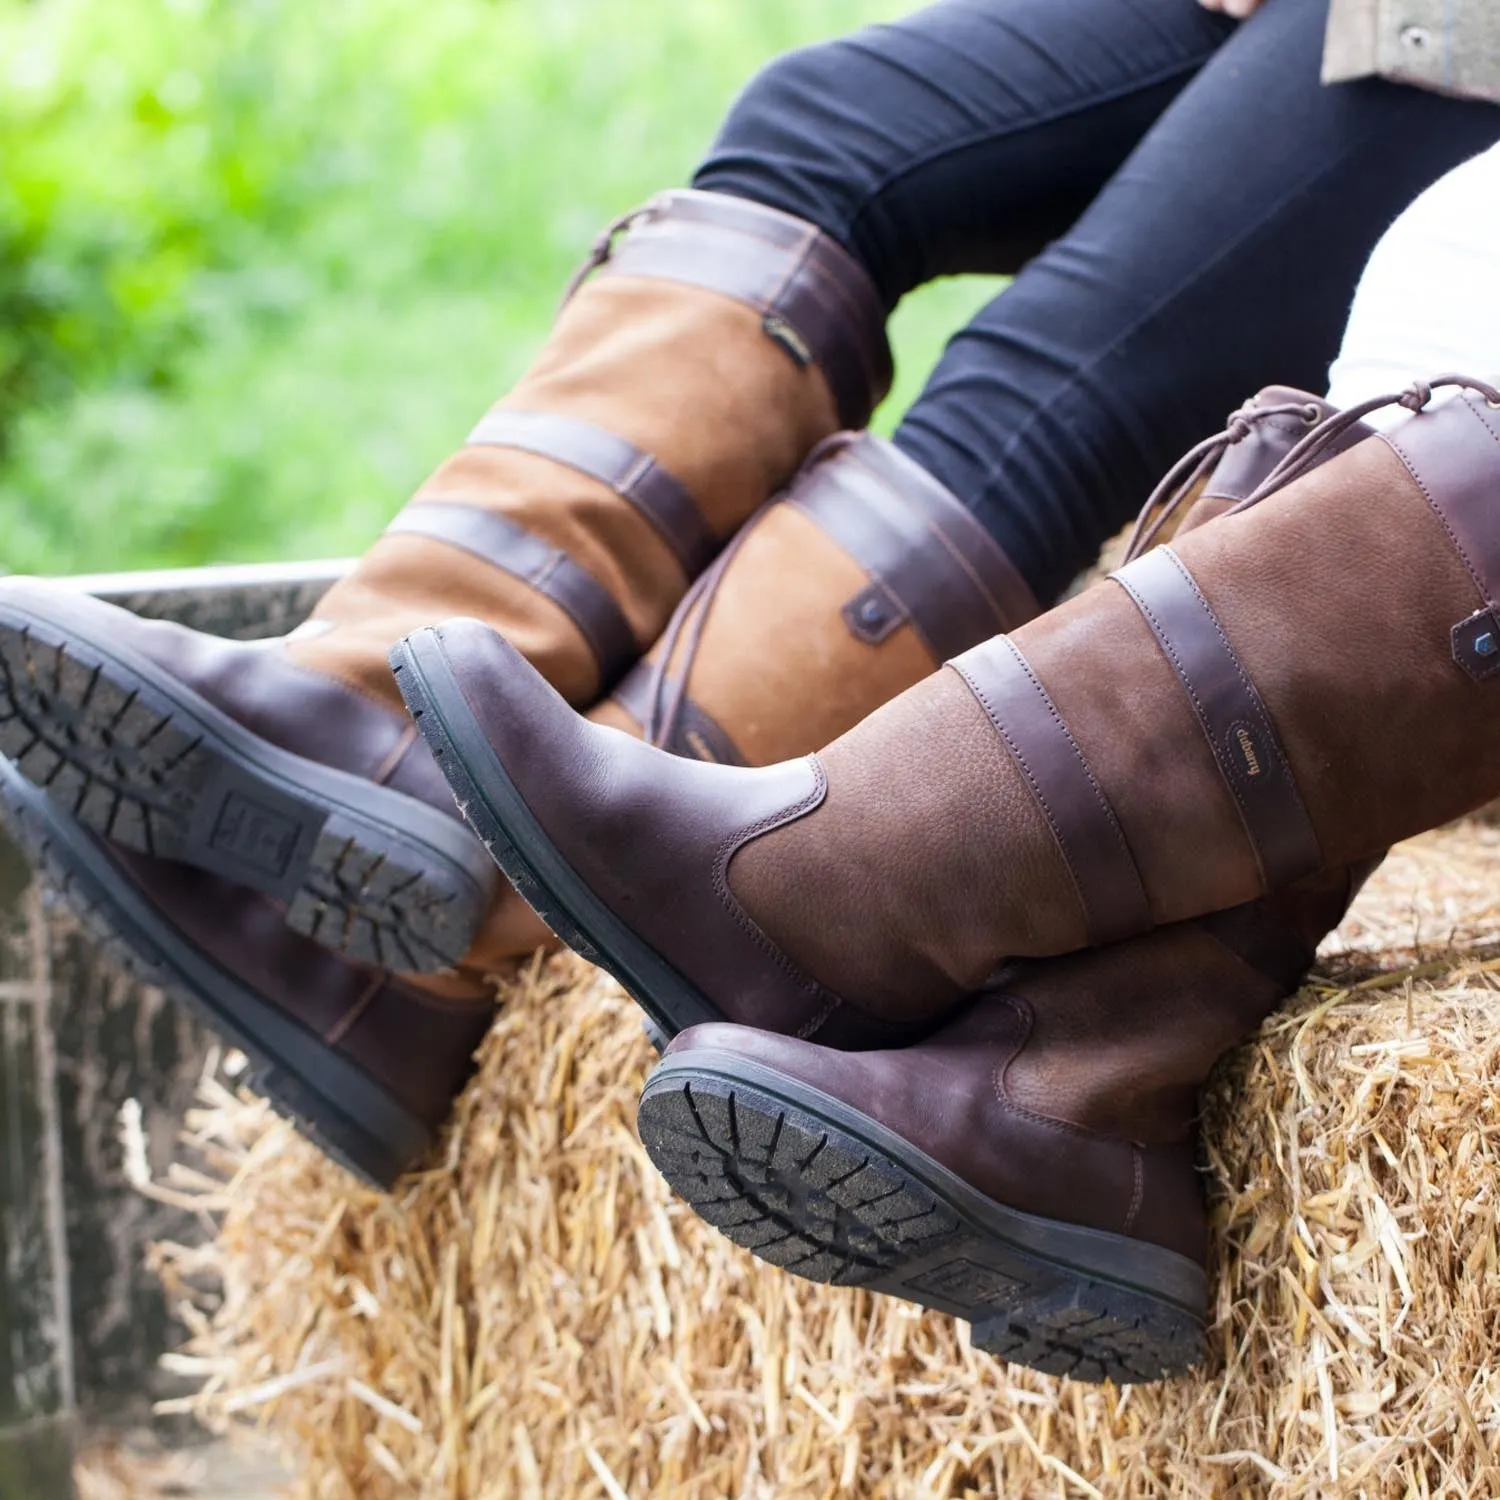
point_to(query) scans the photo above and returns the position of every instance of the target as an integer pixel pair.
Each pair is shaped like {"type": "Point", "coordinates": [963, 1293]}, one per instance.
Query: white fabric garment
{"type": "Point", "coordinates": [1429, 300]}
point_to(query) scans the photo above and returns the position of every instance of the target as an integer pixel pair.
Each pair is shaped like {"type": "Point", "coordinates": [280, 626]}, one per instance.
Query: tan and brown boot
{"type": "Point", "coordinates": [258, 822]}
{"type": "Point", "coordinates": [713, 345]}
{"type": "Point", "coordinates": [1029, 1167]}
{"type": "Point", "coordinates": [859, 581]}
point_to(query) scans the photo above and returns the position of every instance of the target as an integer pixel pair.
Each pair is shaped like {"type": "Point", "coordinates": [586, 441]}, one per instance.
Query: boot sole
{"type": "Point", "coordinates": [497, 812]}
{"type": "Point", "coordinates": [808, 1183]}
{"type": "Point", "coordinates": [141, 759]}
{"type": "Point", "coordinates": [332, 1102]}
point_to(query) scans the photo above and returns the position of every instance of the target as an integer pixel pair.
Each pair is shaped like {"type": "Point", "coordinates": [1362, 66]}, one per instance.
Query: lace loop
{"type": "Point", "coordinates": [1306, 455]}
{"type": "Point", "coordinates": [1198, 462]}
{"type": "Point", "coordinates": [604, 247]}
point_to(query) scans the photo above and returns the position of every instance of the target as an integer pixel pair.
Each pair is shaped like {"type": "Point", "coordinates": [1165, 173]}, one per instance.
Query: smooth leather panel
{"type": "Point", "coordinates": [695, 733]}
{"type": "Point", "coordinates": [651, 834]}
{"type": "Point", "coordinates": [418, 1046]}
{"type": "Point", "coordinates": [1452, 455]}
{"type": "Point", "coordinates": [814, 297]}
{"type": "Point", "coordinates": [936, 567]}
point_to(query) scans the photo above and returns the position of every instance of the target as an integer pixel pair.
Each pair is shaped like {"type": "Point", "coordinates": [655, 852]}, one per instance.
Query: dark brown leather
{"type": "Point", "coordinates": [1451, 456]}
{"type": "Point", "coordinates": [652, 834]}
{"type": "Point", "coordinates": [693, 734]}
{"type": "Point", "coordinates": [816, 301]}
{"type": "Point", "coordinates": [1259, 446]}
{"type": "Point", "coordinates": [419, 1045]}
{"type": "Point", "coordinates": [500, 542]}
{"type": "Point", "coordinates": [1234, 720]}
{"type": "Point", "coordinates": [297, 709]}
{"type": "Point", "coordinates": [1104, 875]}
{"type": "Point", "coordinates": [631, 473]}
{"type": "Point", "coordinates": [927, 861]}
{"type": "Point", "coordinates": [1069, 1088]}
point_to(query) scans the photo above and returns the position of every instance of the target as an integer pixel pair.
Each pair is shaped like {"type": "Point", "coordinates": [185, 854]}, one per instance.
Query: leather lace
{"type": "Point", "coordinates": [1416, 397]}
{"type": "Point", "coordinates": [1183, 477]}
{"type": "Point", "coordinates": [667, 692]}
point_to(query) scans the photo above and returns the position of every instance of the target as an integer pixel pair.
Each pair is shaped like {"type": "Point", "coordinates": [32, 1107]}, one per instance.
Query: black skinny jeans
{"type": "Point", "coordinates": [1199, 209]}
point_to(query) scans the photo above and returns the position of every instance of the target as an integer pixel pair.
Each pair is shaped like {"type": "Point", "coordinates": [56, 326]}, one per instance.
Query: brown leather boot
{"type": "Point", "coordinates": [1049, 1196]}
{"type": "Point", "coordinates": [870, 927]}
{"type": "Point", "coordinates": [574, 520]}
{"type": "Point", "coordinates": [1029, 1167]}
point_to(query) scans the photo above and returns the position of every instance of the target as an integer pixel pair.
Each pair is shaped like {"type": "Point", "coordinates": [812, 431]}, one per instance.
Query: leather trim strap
{"type": "Point", "coordinates": [1451, 452]}
{"type": "Point", "coordinates": [931, 563]}
{"type": "Point", "coordinates": [503, 544]}
{"type": "Point", "coordinates": [1079, 814]}
{"type": "Point", "coordinates": [629, 471]}
{"type": "Point", "coordinates": [814, 298]}
{"type": "Point", "coordinates": [1230, 712]}
{"type": "Point", "coordinates": [695, 734]}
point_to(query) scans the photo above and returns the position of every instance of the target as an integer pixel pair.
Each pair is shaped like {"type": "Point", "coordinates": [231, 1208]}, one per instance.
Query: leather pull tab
{"type": "Point", "coordinates": [1476, 644]}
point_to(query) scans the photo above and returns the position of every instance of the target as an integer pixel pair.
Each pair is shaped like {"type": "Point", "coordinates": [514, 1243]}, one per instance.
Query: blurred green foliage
{"type": "Point", "coordinates": [262, 262]}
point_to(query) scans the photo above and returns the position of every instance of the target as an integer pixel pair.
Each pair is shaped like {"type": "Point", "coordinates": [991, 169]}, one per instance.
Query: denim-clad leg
{"type": "Point", "coordinates": [1209, 203]}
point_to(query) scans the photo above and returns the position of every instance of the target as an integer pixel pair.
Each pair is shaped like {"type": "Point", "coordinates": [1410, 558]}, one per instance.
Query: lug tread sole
{"type": "Point", "coordinates": [825, 1203]}
{"type": "Point", "coordinates": [129, 758]}
{"type": "Point", "coordinates": [31, 820]}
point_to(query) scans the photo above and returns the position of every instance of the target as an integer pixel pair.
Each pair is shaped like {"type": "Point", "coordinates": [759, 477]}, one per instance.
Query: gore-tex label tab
{"type": "Point", "coordinates": [1476, 644]}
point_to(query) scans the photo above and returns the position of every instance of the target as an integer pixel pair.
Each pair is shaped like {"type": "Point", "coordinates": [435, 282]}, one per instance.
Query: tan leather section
{"type": "Point", "coordinates": [926, 865]}
{"type": "Point", "coordinates": [1204, 510]}
{"type": "Point", "coordinates": [1127, 710]}
{"type": "Point", "coordinates": [778, 668]}
{"type": "Point", "coordinates": [405, 582]}
{"type": "Point", "coordinates": [1339, 595]}
{"type": "Point", "coordinates": [687, 375]}
{"type": "Point", "coordinates": [607, 536]}
{"type": "Point", "coordinates": [691, 377]}
{"type": "Point", "coordinates": [610, 713]}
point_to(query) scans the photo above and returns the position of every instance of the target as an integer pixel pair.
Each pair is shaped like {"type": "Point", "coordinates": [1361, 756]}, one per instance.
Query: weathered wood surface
{"type": "Point", "coordinates": [82, 1324]}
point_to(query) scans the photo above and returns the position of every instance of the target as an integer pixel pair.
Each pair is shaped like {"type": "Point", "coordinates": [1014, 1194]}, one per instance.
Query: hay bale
{"type": "Point", "coordinates": [537, 1317]}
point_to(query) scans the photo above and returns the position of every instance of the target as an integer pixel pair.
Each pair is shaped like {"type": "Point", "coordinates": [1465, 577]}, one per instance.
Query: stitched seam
{"type": "Point", "coordinates": [1442, 518]}
{"type": "Point", "coordinates": [1165, 645]}
{"type": "Point", "coordinates": [731, 903]}
{"type": "Point", "coordinates": [819, 1020]}
{"type": "Point", "coordinates": [341, 1028]}
{"type": "Point", "coordinates": [1035, 788]}
{"type": "Point", "coordinates": [1138, 1196]}
{"type": "Point", "coordinates": [935, 533]}
{"type": "Point", "coordinates": [1002, 1073]}
{"type": "Point", "coordinates": [1099, 797]}
{"type": "Point", "coordinates": [1438, 511]}
{"type": "Point", "coordinates": [395, 755]}
{"type": "Point", "coordinates": [1252, 692]}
